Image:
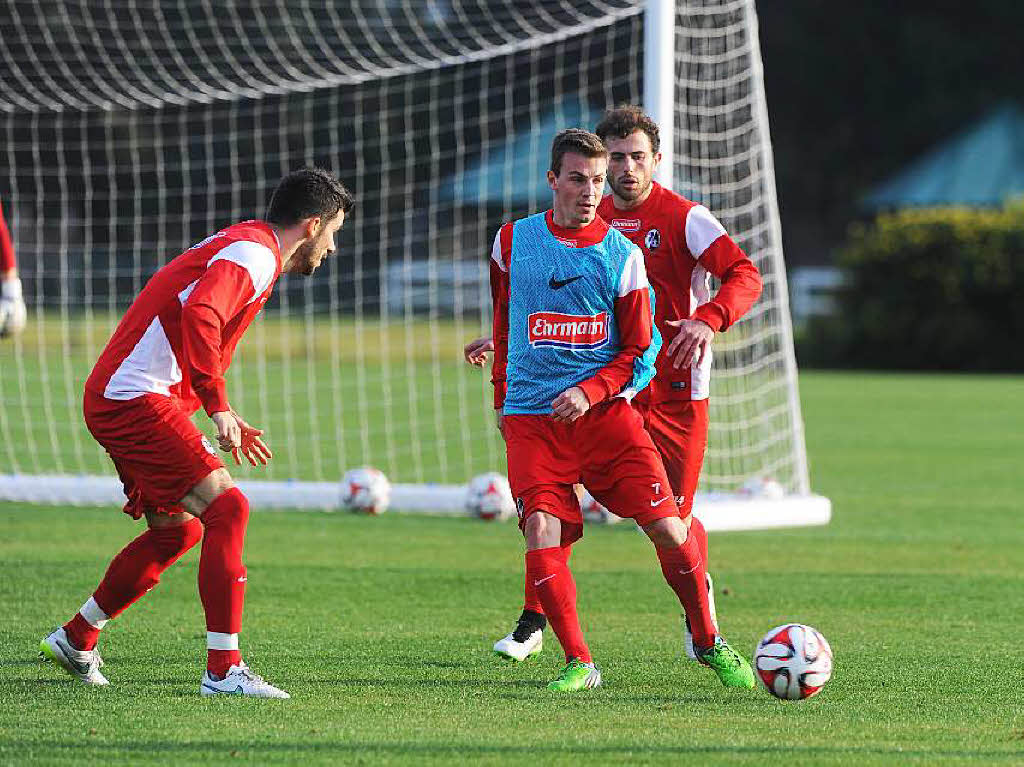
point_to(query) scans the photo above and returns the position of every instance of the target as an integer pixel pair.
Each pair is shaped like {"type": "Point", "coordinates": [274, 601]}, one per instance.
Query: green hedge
{"type": "Point", "coordinates": [938, 289]}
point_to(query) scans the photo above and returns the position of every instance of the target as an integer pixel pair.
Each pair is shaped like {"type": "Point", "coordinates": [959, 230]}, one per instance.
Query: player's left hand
{"type": "Point", "coordinates": [475, 352]}
{"type": "Point", "coordinates": [690, 344]}
{"type": "Point", "coordinates": [253, 448]}
{"type": "Point", "coordinates": [570, 405]}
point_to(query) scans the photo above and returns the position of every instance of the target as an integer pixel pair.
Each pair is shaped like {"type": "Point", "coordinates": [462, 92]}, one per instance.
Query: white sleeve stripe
{"type": "Point", "coordinates": [702, 229]}
{"type": "Point", "coordinates": [496, 252]}
{"type": "Point", "coordinates": [634, 273]}
{"type": "Point", "coordinates": [256, 259]}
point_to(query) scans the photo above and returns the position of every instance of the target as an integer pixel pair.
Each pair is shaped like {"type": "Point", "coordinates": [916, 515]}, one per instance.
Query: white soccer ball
{"type": "Point", "coordinates": [489, 497]}
{"type": "Point", "coordinates": [365, 490]}
{"type": "Point", "coordinates": [763, 487]}
{"type": "Point", "coordinates": [793, 661]}
{"type": "Point", "coordinates": [595, 513]}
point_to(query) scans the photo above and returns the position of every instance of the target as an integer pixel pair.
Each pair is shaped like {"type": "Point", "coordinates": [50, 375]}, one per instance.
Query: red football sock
{"type": "Point", "coordinates": [81, 634]}
{"type": "Point", "coordinates": [218, 662]}
{"type": "Point", "coordinates": [549, 573]}
{"type": "Point", "coordinates": [532, 600]}
{"type": "Point", "coordinates": [222, 577]}
{"type": "Point", "coordinates": [684, 570]}
{"type": "Point", "coordinates": [134, 571]}
{"type": "Point", "coordinates": [697, 531]}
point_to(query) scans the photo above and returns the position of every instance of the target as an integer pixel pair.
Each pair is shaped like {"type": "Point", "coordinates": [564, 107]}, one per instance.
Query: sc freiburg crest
{"type": "Point", "coordinates": [652, 239]}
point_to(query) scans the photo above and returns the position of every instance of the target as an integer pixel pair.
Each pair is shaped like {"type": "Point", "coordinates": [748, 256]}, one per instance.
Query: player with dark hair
{"type": "Point", "coordinates": [12, 306]}
{"type": "Point", "coordinates": [167, 357]}
{"type": "Point", "coordinates": [683, 244]}
{"type": "Point", "coordinates": [574, 341]}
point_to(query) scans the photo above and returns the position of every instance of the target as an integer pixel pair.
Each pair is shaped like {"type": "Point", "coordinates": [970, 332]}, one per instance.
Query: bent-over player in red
{"type": "Point", "coordinates": [574, 342]}
{"type": "Point", "coordinates": [167, 357]}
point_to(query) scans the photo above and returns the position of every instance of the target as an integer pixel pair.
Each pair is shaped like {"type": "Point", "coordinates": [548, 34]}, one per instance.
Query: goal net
{"type": "Point", "coordinates": [130, 131]}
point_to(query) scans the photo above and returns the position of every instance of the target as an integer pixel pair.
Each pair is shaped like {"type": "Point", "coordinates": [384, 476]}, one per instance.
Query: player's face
{"type": "Point", "coordinates": [578, 189]}
{"type": "Point", "coordinates": [631, 166]}
{"type": "Point", "coordinates": [314, 250]}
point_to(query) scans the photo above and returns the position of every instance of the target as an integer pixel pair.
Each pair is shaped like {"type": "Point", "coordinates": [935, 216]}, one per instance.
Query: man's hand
{"type": "Point", "coordinates": [235, 436]}
{"type": "Point", "coordinates": [570, 405]}
{"type": "Point", "coordinates": [253, 447]}
{"type": "Point", "coordinates": [475, 352]}
{"type": "Point", "coordinates": [13, 314]}
{"type": "Point", "coordinates": [691, 342]}
{"type": "Point", "coordinates": [500, 421]}
{"type": "Point", "coordinates": [229, 433]}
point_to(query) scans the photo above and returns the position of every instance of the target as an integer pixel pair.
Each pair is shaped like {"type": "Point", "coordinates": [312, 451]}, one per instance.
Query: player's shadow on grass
{"type": "Point", "coordinates": [22, 662]}
{"type": "Point", "coordinates": [482, 684]}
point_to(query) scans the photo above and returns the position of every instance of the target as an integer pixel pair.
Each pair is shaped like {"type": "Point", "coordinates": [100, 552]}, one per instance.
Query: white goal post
{"type": "Point", "coordinates": [129, 133]}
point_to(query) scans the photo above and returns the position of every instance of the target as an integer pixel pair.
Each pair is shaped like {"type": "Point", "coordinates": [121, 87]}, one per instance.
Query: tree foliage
{"type": "Point", "coordinates": [928, 289]}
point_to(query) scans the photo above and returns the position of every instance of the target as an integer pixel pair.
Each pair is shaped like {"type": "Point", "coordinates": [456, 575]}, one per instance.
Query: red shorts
{"type": "Point", "coordinates": [159, 453]}
{"type": "Point", "coordinates": [607, 450]}
{"type": "Point", "coordinates": [679, 429]}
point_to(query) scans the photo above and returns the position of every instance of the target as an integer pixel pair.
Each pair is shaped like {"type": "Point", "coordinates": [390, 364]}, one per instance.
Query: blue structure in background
{"type": "Point", "coordinates": [514, 173]}
{"type": "Point", "coordinates": [981, 166]}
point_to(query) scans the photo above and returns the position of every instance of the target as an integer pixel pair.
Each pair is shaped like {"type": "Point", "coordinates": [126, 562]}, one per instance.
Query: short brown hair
{"type": "Point", "coordinates": [626, 120]}
{"type": "Point", "coordinates": [577, 141]}
{"type": "Point", "coordinates": [306, 193]}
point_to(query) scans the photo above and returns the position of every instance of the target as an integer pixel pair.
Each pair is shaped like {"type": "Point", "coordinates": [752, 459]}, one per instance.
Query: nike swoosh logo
{"type": "Point", "coordinates": [548, 578]}
{"type": "Point", "coordinates": [79, 666]}
{"type": "Point", "coordinates": [556, 284]}
{"type": "Point", "coordinates": [661, 501]}
{"type": "Point", "coordinates": [243, 579]}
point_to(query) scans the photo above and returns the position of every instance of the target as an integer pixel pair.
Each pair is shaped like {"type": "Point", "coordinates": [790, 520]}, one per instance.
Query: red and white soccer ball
{"type": "Point", "coordinates": [763, 487]}
{"type": "Point", "coordinates": [595, 513]}
{"type": "Point", "coordinates": [490, 497]}
{"type": "Point", "coordinates": [793, 661]}
{"type": "Point", "coordinates": [365, 490]}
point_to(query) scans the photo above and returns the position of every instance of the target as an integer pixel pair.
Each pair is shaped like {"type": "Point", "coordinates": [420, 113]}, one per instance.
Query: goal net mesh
{"type": "Point", "coordinates": [131, 130]}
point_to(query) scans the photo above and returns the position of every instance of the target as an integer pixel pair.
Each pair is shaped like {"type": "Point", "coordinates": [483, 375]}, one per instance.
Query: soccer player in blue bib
{"type": "Point", "coordinates": [574, 341]}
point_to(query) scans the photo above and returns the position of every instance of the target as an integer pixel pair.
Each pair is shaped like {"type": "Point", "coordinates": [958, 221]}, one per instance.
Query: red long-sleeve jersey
{"type": "Point", "coordinates": [632, 309]}
{"type": "Point", "coordinates": [683, 244]}
{"type": "Point", "coordinates": [179, 335]}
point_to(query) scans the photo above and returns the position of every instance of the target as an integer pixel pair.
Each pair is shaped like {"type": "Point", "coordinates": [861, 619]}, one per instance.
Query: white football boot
{"type": "Point", "coordinates": [687, 634]}
{"type": "Point", "coordinates": [240, 681]}
{"type": "Point", "coordinates": [521, 643]}
{"type": "Point", "coordinates": [83, 665]}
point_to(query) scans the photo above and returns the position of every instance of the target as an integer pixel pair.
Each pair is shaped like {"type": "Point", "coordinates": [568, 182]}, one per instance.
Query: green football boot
{"type": "Point", "coordinates": [577, 676]}
{"type": "Point", "coordinates": [731, 667]}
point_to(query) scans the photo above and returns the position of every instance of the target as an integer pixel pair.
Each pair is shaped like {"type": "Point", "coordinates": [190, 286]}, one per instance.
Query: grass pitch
{"type": "Point", "coordinates": [381, 628]}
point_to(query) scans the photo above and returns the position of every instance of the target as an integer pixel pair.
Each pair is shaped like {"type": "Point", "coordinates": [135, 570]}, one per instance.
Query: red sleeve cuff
{"type": "Point", "coordinates": [711, 315]}
{"type": "Point", "coordinates": [595, 391]}
{"type": "Point", "coordinates": [216, 401]}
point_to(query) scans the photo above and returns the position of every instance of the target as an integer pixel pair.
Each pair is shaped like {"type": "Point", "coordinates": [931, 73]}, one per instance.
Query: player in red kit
{"type": "Point", "coordinates": [574, 342]}
{"type": "Point", "coordinates": [12, 306]}
{"type": "Point", "coordinates": [166, 358]}
{"type": "Point", "coordinates": [683, 245]}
